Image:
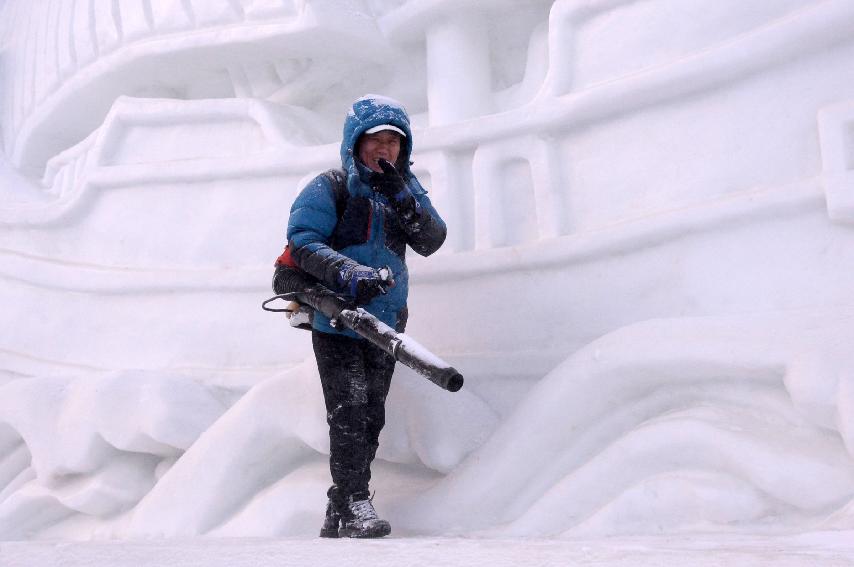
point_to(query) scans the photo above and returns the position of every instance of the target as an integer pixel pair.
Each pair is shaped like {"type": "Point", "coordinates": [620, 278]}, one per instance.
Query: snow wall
{"type": "Point", "coordinates": [647, 281]}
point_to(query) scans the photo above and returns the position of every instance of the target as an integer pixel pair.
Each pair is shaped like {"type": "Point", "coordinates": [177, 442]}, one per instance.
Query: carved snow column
{"type": "Point", "coordinates": [561, 47]}
{"type": "Point", "coordinates": [566, 17]}
{"type": "Point", "coordinates": [836, 132]}
{"type": "Point", "coordinates": [458, 69]}
{"type": "Point", "coordinates": [458, 88]}
{"type": "Point", "coordinates": [460, 194]}
{"type": "Point", "coordinates": [554, 205]}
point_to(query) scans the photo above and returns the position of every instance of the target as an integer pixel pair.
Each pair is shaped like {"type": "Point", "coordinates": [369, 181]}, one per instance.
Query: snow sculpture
{"type": "Point", "coordinates": [647, 281]}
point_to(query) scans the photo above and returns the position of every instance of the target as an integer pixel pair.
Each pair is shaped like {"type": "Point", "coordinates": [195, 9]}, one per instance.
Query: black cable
{"type": "Point", "coordinates": [291, 296]}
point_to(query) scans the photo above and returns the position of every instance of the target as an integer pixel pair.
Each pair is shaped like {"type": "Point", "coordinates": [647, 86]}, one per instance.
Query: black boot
{"type": "Point", "coordinates": [359, 519]}
{"type": "Point", "coordinates": [333, 516]}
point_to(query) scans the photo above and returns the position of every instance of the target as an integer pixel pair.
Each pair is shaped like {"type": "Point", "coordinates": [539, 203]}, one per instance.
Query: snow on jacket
{"type": "Point", "coordinates": [369, 231]}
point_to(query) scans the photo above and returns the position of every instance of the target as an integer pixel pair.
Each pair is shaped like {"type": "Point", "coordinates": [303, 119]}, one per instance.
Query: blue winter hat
{"type": "Point", "coordinates": [374, 112]}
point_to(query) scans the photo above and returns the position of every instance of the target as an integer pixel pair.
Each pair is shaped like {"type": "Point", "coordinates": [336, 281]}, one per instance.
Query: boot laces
{"type": "Point", "coordinates": [364, 510]}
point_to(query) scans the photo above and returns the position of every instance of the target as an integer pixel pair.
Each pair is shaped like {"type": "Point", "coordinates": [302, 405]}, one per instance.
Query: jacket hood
{"type": "Point", "coordinates": [369, 111]}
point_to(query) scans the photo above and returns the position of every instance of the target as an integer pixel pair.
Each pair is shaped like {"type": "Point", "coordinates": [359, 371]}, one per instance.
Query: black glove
{"type": "Point", "coordinates": [391, 184]}
{"type": "Point", "coordinates": [363, 283]}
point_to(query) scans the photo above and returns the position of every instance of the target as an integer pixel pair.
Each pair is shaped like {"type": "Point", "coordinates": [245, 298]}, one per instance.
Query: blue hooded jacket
{"type": "Point", "coordinates": [369, 232]}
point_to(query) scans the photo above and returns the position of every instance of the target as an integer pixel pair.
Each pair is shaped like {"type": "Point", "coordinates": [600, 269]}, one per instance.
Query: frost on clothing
{"type": "Point", "coordinates": [355, 376]}
{"type": "Point", "coordinates": [369, 232]}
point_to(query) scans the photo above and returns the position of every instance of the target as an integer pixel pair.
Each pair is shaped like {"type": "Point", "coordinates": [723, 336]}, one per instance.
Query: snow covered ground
{"type": "Point", "coordinates": [647, 282]}
{"type": "Point", "coordinates": [813, 550]}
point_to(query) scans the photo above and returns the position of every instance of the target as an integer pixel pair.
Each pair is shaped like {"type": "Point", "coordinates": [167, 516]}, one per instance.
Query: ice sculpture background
{"type": "Point", "coordinates": [648, 279]}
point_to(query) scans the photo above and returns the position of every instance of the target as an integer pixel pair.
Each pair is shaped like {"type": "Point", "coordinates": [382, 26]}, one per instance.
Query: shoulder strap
{"type": "Point", "coordinates": [339, 189]}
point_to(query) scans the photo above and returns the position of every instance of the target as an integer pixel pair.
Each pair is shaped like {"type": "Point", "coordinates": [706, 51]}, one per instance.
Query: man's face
{"type": "Point", "coordinates": [384, 144]}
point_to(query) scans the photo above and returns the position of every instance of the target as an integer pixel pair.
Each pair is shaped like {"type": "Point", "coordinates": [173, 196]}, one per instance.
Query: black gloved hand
{"type": "Point", "coordinates": [364, 283]}
{"type": "Point", "coordinates": [391, 184]}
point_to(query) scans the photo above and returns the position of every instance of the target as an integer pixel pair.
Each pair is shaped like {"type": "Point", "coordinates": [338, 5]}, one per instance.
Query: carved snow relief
{"type": "Point", "coordinates": [640, 282]}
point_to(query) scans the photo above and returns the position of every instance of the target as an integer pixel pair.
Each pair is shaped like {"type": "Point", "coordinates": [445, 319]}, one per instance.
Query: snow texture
{"type": "Point", "coordinates": [814, 549]}
{"type": "Point", "coordinates": [647, 282]}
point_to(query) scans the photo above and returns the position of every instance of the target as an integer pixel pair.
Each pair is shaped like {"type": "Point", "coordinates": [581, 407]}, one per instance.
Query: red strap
{"type": "Point", "coordinates": [286, 259]}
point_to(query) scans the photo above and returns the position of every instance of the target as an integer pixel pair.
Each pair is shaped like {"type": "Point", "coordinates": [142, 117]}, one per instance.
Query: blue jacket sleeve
{"type": "Point", "coordinates": [310, 227]}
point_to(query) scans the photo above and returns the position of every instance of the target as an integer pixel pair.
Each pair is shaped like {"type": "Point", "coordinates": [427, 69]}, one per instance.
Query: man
{"type": "Point", "coordinates": [350, 232]}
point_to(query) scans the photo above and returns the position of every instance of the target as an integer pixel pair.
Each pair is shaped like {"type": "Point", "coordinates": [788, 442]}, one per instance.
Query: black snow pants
{"type": "Point", "coordinates": [355, 376]}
